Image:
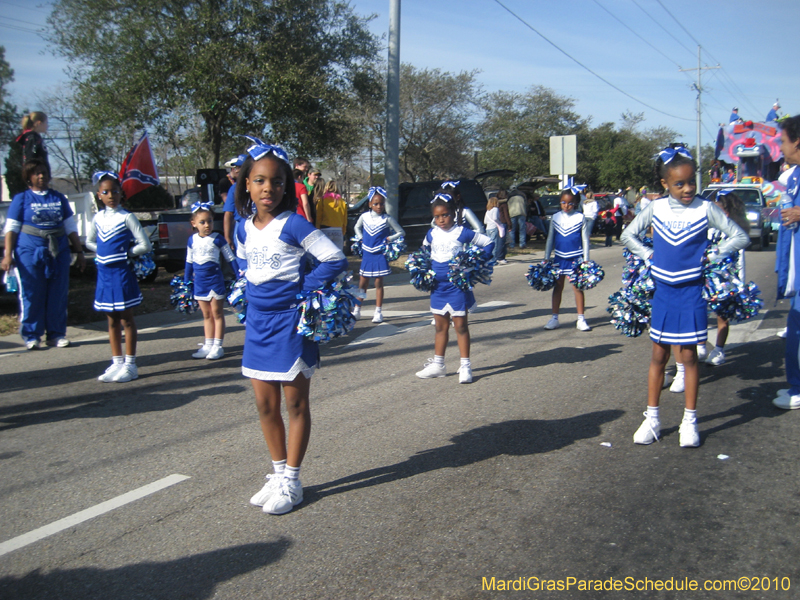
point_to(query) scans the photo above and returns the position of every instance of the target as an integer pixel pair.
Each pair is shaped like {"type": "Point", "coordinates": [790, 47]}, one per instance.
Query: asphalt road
{"type": "Point", "coordinates": [413, 488]}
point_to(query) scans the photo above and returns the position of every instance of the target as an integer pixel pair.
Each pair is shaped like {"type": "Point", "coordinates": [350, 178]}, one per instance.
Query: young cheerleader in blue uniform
{"type": "Point", "coordinates": [272, 246]}
{"type": "Point", "coordinates": [679, 316]}
{"type": "Point", "coordinates": [446, 240]}
{"type": "Point", "coordinates": [373, 229]}
{"type": "Point", "coordinates": [568, 239]}
{"type": "Point", "coordinates": [203, 268]}
{"type": "Point", "coordinates": [115, 236]}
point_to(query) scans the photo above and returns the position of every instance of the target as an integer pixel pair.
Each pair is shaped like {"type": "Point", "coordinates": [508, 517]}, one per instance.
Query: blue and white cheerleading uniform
{"type": "Point", "coordinates": [446, 297]}
{"type": "Point", "coordinates": [203, 265]}
{"type": "Point", "coordinates": [111, 237]}
{"type": "Point", "coordinates": [275, 262]}
{"type": "Point", "coordinates": [568, 240]}
{"type": "Point", "coordinates": [680, 237]}
{"type": "Point", "coordinates": [373, 231]}
{"type": "Point", "coordinates": [42, 222]}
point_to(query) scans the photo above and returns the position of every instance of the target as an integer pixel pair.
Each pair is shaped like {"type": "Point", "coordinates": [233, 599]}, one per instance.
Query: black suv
{"type": "Point", "coordinates": [415, 208]}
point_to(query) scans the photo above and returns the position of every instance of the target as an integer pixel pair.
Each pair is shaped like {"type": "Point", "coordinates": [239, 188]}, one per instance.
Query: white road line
{"type": "Point", "coordinates": [90, 513]}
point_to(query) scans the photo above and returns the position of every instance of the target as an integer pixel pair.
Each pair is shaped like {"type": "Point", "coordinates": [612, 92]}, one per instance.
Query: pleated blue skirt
{"type": "Point", "coordinates": [374, 265]}
{"type": "Point", "coordinates": [679, 315]}
{"type": "Point", "coordinates": [273, 350]}
{"type": "Point", "coordinates": [117, 288]}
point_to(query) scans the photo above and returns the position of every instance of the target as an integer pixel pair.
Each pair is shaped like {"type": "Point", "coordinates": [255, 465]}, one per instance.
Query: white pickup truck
{"type": "Point", "coordinates": [755, 205]}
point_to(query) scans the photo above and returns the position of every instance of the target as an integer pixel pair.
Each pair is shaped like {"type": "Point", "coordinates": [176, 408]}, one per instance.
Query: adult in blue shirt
{"type": "Point", "coordinates": [772, 115]}
{"type": "Point", "coordinates": [39, 229]}
{"type": "Point", "coordinates": [734, 115]}
{"type": "Point", "coordinates": [229, 215]}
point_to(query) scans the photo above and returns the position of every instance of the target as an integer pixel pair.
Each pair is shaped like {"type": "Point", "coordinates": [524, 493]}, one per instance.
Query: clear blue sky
{"type": "Point", "coordinates": [754, 43]}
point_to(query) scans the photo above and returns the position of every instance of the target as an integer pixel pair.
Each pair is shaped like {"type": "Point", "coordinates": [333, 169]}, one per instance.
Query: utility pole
{"type": "Point", "coordinates": [392, 171]}
{"type": "Point", "coordinates": [699, 87]}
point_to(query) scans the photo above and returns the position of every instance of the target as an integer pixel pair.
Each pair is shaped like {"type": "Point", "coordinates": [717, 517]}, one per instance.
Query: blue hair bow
{"type": "Point", "coordinates": [376, 190]}
{"type": "Point", "coordinates": [724, 192]}
{"type": "Point", "coordinates": [450, 184]}
{"type": "Point", "coordinates": [100, 174]}
{"type": "Point", "coordinates": [200, 205]}
{"type": "Point", "coordinates": [576, 189]}
{"type": "Point", "coordinates": [667, 154]}
{"type": "Point", "coordinates": [445, 197]}
{"type": "Point", "coordinates": [260, 149]}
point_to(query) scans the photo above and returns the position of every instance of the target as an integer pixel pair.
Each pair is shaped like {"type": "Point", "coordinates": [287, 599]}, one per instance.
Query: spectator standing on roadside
{"type": "Point", "coordinates": [300, 190]}
{"type": "Point", "coordinates": [230, 216]}
{"type": "Point", "coordinates": [34, 125]}
{"type": "Point", "coordinates": [517, 209]}
{"type": "Point", "coordinates": [536, 215]}
{"type": "Point", "coordinates": [505, 219]}
{"type": "Point", "coordinates": [589, 209]}
{"type": "Point", "coordinates": [620, 210]}
{"type": "Point", "coordinates": [331, 211]}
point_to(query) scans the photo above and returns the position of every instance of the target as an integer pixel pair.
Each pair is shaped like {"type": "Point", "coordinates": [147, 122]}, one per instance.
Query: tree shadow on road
{"type": "Point", "coordinates": [565, 354]}
{"type": "Point", "coordinates": [190, 578]}
{"type": "Point", "coordinates": [521, 437]}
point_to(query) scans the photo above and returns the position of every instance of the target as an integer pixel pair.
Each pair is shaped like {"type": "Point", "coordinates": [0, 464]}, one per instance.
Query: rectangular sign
{"type": "Point", "coordinates": [563, 154]}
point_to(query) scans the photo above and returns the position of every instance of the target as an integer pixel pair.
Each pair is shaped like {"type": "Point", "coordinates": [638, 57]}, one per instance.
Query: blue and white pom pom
{"type": "Point", "coordinates": [630, 307]}
{"type": "Point", "coordinates": [727, 295]}
{"type": "Point", "coordinates": [543, 276]}
{"type": "Point", "coordinates": [182, 297]}
{"type": "Point", "coordinates": [586, 275]}
{"type": "Point", "coordinates": [419, 266]}
{"type": "Point", "coordinates": [469, 267]}
{"type": "Point", "coordinates": [355, 247]}
{"type": "Point", "coordinates": [144, 266]}
{"type": "Point", "coordinates": [630, 312]}
{"type": "Point", "coordinates": [238, 299]}
{"type": "Point", "coordinates": [327, 313]}
{"type": "Point", "coordinates": [393, 250]}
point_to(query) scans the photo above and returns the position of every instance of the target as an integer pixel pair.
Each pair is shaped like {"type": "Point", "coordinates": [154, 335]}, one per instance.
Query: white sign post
{"type": "Point", "coordinates": [563, 157]}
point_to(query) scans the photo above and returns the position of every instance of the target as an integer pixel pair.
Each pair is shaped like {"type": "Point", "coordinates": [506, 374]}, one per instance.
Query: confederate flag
{"type": "Point", "coordinates": [138, 170]}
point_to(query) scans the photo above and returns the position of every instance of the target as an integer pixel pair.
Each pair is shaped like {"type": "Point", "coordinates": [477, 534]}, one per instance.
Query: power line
{"type": "Point", "coordinates": [678, 22]}
{"type": "Point", "coordinates": [17, 28]}
{"type": "Point", "coordinates": [652, 18]}
{"type": "Point", "coordinates": [21, 21]}
{"type": "Point", "coordinates": [634, 32]}
{"type": "Point", "coordinates": [600, 77]}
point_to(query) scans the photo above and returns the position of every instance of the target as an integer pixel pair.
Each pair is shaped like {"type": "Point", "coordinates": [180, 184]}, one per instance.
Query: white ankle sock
{"type": "Point", "coordinates": [291, 472]}
{"type": "Point", "coordinates": [719, 348]}
{"type": "Point", "coordinates": [680, 368]}
{"type": "Point", "coordinates": [652, 412]}
{"type": "Point", "coordinates": [465, 362]}
{"type": "Point", "coordinates": [279, 466]}
{"type": "Point", "coordinates": [438, 360]}
{"type": "Point", "coordinates": [130, 360]}
{"type": "Point", "coordinates": [216, 342]}
{"type": "Point", "coordinates": [208, 343]}
{"type": "Point", "coordinates": [690, 416]}
{"type": "Point", "coordinates": [117, 360]}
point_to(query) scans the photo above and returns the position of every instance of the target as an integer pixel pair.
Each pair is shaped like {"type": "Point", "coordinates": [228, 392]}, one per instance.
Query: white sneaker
{"type": "Point", "coordinates": [126, 372]}
{"type": "Point", "coordinates": [202, 352]}
{"type": "Point", "coordinates": [787, 402]}
{"type": "Point", "coordinates": [782, 333]}
{"type": "Point", "coordinates": [32, 344]}
{"type": "Point", "coordinates": [716, 358]}
{"type": "Point", "coordinates": [357, 311]}
{"type": "Point", "coordinates": [701, 351]}
{"type": "Point", "coordinates": [552, 323]}
{"type": "Point", "coordinates": [108, 376]}
{"type": "Point", "coordinates": [464, 374]}
{"type": "Point", "coordinates": [582, 325]}
{"type": "Point", "coordinates": [215, 353]}
{"type": "Point", "coordinates": [377, 317]}
{"type": "Point", "coordinates": [678, 384]}
{"type": "Point", "coordinates": [690, 437]}
{"type": "Point", "coordinates": [431, 369]}
{"type": "Point", "coordinates": [648, 431]}
{"type": "Point", "coordinates": [61, 342]}
{"type": "Point", "coordinates": [288, 494]}
{"type": "Point", "coordinates": [261, 496]}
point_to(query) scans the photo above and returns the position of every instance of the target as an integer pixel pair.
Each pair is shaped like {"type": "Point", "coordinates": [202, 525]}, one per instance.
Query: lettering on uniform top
{"type": "Point", "coordinates": [259, 258]}
{"type": "Point", "coordinates": [677, 225]}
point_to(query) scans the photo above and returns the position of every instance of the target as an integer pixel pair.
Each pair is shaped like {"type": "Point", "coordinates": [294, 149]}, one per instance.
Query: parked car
{"type": "Point", "coordinates": [415, 208]}
{"type": "Point", "coordinates": [758, 213]}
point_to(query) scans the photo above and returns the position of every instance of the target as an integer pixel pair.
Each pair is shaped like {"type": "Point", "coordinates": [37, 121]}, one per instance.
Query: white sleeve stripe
{"type": "Point", "coordinates": [13, 226]}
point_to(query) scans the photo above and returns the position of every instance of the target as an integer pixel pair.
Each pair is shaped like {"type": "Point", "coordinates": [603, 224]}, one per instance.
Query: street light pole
{"type": "Point", "coordinates": [392, 171]}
